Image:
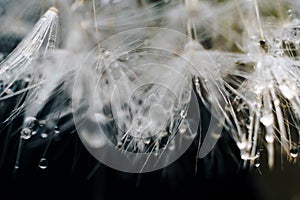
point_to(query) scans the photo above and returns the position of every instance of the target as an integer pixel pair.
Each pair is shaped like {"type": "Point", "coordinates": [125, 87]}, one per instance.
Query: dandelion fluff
{"type": "Point", "coordinates": [265, 105]}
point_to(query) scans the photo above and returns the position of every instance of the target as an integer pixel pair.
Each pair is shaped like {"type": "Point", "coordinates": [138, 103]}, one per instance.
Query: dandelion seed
{"type": "Point", "coordinates": [17, 62]}
{"type": "Point", "coordinates": [134, 92]}
{"type": "Point", "coordinates": [264, 91]}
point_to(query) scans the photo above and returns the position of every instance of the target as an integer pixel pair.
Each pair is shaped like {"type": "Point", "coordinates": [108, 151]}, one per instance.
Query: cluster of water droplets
{"type": "Point", "coordinates": [16, 75]}
{"type": "Point", "coordinates": [33, 128]}
{"type": "Point", "coordinates": [144, 112]}
{"type": "Point", "coordinates": [268, 115]}
{"type": "Point", "coordinates": [138, 98]}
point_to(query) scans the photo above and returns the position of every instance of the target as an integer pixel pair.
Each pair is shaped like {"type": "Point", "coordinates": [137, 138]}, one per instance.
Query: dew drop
{"type": "Point", "coordinates": [105, 53]}
{"type": "Point", "coordinates": [26, 133]}
{"type": "Point", "coordinates": [42, 123]}
{"type": "Point", "coordinates": [147, 141]}
{"type": "Point", "coordinates": [43, 164]}
{"type": "Point", "coordinates": [286, 91]}
{"type": "Point", "coordinates": [290, 13]}
{"type": "Point", "coordinates": [294, 152]}
{"type": "Point", "coordinates": [183, 114]}
{"type": "Point", "coordinates": [162, 134]}
{"type": "Point", "coordinates": [127, 58]}
{"type": "Point", "coordinates": [171, 145]}
{"type": "Point", "coordinates": [56, 130]}
{"type": "Point", "coordinates": [119, 144]}
{"type": "Point", "coordinates": [257, 162]}
{"type": "Point", "coordinates": [269, 138]}
{"type": "Point", "coordinates": [278, 53]}
{"type": "Point", "coordinates": [30, 121]}
{"type": "Point", "coordinates": [245, 156]}
{"type": "Point", "coordinates": [43, 18]}
{"type": "Point", "coordinates": [242, 144]}
{"type": "Point", "coordinates": [9, 91]}
{"type": "Point", "coordinates": [183, 127]}
{"type": "Point", "coordinates": [34, 132]}
{"type": "Point", "coordinates": [276, 102]}
{"type": "Point", "coordinates": [44, 135]}
{"type": "Point", "coordinates": [267, 120]}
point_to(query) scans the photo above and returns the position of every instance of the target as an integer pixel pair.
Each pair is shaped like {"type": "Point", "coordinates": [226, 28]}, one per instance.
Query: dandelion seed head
{"type": "Point", "coordinates": [134, 92]}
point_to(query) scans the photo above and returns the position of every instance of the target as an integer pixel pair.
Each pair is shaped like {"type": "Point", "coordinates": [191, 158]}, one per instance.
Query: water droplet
{"type": "Point", "coordinates": [257, 162]}
{"type": "Point", "coordinates": [9, 91]}
{"type": "Point", "coordinates": [162, 134]}
{"type": "Point", "coordinates": [269, 138]}
{"type": "Point", "coordinates": [183, 127]}
{"type": "Point", "coordinates": [105, 53]}
{"type": "Point", "coordinates": [267, 120]}
{"type": "Point", "coordinates": [171, 145]}
{"type": "Point", "coordinates": [242, 144]}
{"type": "Point", "coordinates": [294, 152]}
{"type": "Point", "coordinates": [44, 135]}
{"type": "Point", "coordinates": [119, 144]}
{"type": "Point", "coordinates": [287, 91]}
{"type": "Point", "coordinates": [56, 130]}
{"type": "Point", "coordinates": [276, 102]}
{"type": "Point", "coordinates": [245, 156]}
{"type": "Point", "coordinates": [249, 146]}
{"type": "Point", "coordinates": [26, 133]}
{"type": "Point", "coordinates": [34, 132]}
{"type": "Point", "coordinates": [147, 141]}
{"type": "Point", "coordinates": [27, 79]}
{"type": "Point", "coordinates": [43, 164]}
{"type": "Point", "coordinates": [278, 53]}
{"type": "Point", "coordinates": [42, 123]}
{"type": "Point", "coordinates": [127, 57]}
{"type": "Point", "coordinates": [290, 13]}
{"type": "Point", "coordinates": [183, 114]}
